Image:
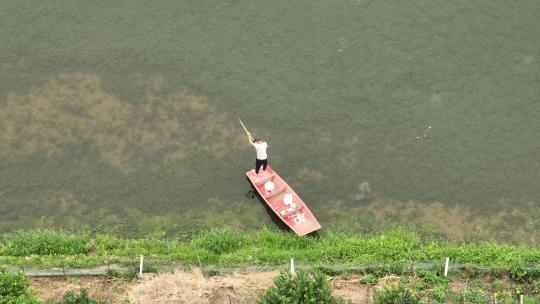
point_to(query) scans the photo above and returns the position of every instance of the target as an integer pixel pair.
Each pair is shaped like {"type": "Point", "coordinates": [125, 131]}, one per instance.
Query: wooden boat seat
{"type": "Point", "coordinates": [275, 192]}
{"type": "Point", "coordinates": [278, 198]}
{"type": "Point", "coordinates": [295, 212]}
{"type": "Point", "coordinates": [264, 180]}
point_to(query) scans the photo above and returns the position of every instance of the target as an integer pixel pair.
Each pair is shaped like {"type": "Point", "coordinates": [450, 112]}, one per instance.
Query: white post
{"type": "Point", "coordinates": [292, 266]}
{"type": "Point", "coordinates": [141, 264]}
{"type": "Point", "coordinates": [446, 266]}
{"type": "Point", "coordinates": [520, 299]}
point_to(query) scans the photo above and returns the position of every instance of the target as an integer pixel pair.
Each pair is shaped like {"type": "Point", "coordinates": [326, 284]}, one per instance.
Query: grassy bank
{"type": "Point", "coordinates": [481, 270]}
{"type": "Point", "coordinates": [228, 248]}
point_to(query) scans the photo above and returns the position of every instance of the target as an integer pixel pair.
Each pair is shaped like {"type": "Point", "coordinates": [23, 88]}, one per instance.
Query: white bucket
{"type": "Point", "coordinates": [269, 186]}
{"type": "Point", "coordinates": [288, 199]}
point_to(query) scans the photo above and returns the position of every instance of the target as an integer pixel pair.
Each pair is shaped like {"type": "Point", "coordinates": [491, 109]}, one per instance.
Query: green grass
{"type": "Point", "coordinates": [373, 255]}
{"type": "Point", "coordinates": [15, 289]}
{"type": "Point", "coordinates": [226, 247]}
{"type": "Point", "coordinates": [43, 242]}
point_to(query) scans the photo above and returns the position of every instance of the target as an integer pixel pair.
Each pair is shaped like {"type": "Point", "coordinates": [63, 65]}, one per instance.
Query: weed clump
{"type": "Point", "coordinates": [14, 288]}
{"type": "Point", "coordinates": [82, 298]}
{"type": "Point", "coordinates": [299, 288]}
{"type": "Point", "coordinates": [220, 241]}
{"type": "Point", "coordinates": [130, 274]}
{"type": "Point", "coordinates": [473, 296]}
{"type": "Point", "coordinates": [395, 295]}
{"type": "Point", "coordinates": [44, 242]}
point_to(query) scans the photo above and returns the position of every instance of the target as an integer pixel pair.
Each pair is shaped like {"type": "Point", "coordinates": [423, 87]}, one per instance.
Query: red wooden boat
{"type": "Point", "coordinates": [282, 199]}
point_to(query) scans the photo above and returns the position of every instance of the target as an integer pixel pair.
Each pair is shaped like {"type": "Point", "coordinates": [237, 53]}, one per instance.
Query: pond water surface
{"type": "Point", "coordinates": [124, 115]}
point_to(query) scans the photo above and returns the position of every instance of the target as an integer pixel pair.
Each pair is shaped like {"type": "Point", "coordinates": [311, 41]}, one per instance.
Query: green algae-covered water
{"type": "Point", "coordinates": [124, 115]}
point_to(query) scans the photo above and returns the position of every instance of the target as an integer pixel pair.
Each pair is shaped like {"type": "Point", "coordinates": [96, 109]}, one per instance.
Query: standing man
{"type": "Point", "coordinates": [260, 147]}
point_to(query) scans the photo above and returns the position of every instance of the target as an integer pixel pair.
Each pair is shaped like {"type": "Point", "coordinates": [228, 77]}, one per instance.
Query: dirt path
{"type": "Point", "coordinates": [184, 287]}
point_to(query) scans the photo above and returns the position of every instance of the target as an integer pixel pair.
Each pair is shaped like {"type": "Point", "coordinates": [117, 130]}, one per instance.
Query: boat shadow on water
{"type": "Point", "coordinates": [253, 193]}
